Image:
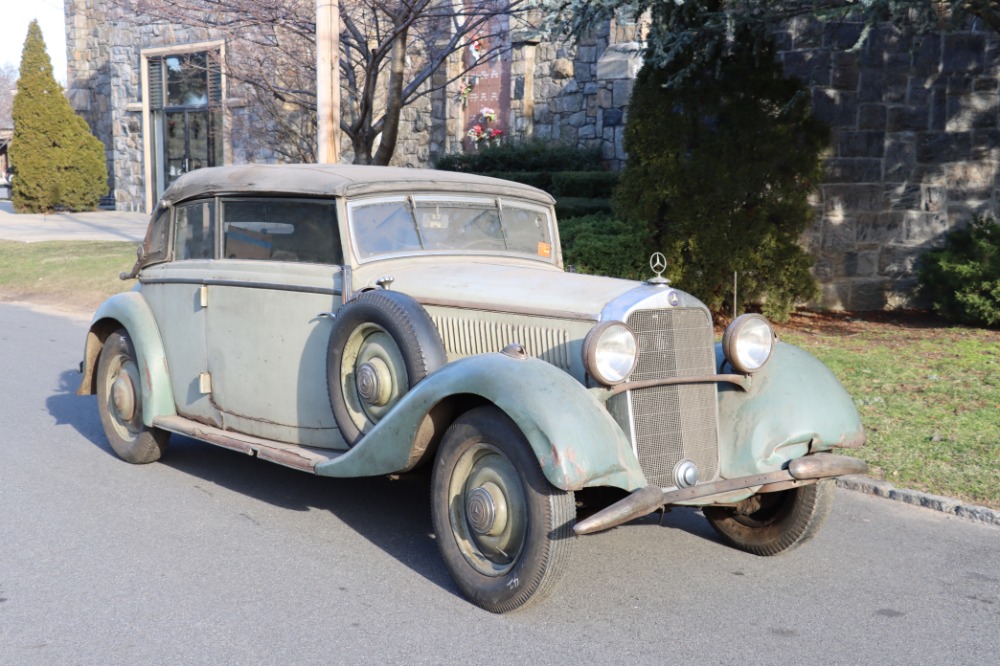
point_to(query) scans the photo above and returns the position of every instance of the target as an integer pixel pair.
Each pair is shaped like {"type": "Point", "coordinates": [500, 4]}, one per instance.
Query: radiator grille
{"type": "Point", "coordinates": [673, 423]}
{"type": "Point", "coordinates": [468, 337]}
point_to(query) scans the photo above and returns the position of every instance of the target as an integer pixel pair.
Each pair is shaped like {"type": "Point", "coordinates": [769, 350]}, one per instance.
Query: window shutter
{"type": "Point", "coordinates": [155, 83]}
{"type": "Point", "coordinates": [214, 77]}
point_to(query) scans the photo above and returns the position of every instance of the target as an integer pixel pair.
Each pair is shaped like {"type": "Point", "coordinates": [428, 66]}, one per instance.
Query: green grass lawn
{"type": "Point", "coordinates": [78, 274]}
{"type": "Point", "coordinates": [928, 393]}
{"type": "Point", "coordinates": [929, 396]}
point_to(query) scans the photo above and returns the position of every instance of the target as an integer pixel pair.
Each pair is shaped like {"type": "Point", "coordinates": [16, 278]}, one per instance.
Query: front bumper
{"type": "Point", "coordinates": [651, 498]}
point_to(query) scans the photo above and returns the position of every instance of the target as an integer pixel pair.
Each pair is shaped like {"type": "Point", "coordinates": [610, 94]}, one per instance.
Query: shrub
{"type": "Point", "coordinates": [581, 207]}
{"type": "Point", "coordinates": [530, 155]}
{"type": "Point", "coordinates": [601, 245]}
{"type": "Point", "coordinates": [57, 162]}
{"type": "Point", "coordinates": [540, 179]}
{"type": "Point", "coordinates": [962, 279]}
{"type": "Point", "coordinates": [721, 167]}
{"type": "Point", "coordinates": [587, 184]}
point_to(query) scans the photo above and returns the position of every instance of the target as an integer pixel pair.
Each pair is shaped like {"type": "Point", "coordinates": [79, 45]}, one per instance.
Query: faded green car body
{"type": "Point", "coordinates": [791, 408]}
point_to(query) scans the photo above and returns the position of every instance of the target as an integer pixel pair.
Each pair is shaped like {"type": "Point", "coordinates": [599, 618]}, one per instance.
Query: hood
{"type": "Point", "coordinates": [522, 288]}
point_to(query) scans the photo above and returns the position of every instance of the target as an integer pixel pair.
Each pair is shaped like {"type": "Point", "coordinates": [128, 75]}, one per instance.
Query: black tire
{"type": "Point", "coordinates": [785, 520]}
{"type": "Point", "coordinates": [381, 345]}
{"type": "Point", "coordinates": [503, 530]}
{"type": "Point", "coordinates": [119, 402]}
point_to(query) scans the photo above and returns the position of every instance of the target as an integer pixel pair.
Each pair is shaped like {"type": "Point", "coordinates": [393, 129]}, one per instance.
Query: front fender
{"type": "Point", "coordinates": [130, 311]}
{"type": "Point", "coordinates": [794, 405]}
{"type": "Point", "coordinates": [576, 441]}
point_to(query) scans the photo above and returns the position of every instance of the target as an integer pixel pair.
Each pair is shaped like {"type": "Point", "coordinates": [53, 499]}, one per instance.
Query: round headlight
{"type": "Point", "coordinates": [748, 343]}
{"type": "Point", "coordinates": [610, 352]}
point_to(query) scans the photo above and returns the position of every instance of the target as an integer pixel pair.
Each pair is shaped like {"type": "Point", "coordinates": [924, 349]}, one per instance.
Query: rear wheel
{"type": "Point", "coordinates": [772, 523]}
{"type": "Point", "coordinates": [119, 401]}
{"type": "Point", "coordinates": [503, 530]}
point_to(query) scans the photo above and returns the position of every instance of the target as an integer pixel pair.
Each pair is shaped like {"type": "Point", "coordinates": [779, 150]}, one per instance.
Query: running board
{"type": "Point", "coordinates": [290, 455]}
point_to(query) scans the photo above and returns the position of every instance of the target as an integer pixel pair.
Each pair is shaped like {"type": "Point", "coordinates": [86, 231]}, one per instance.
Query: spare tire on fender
{"type": "Point", "coordinates": [382, 343]}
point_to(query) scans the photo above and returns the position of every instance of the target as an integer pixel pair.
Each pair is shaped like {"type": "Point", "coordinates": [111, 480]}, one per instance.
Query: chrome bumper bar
{"type": "Point", "coordinates": [651, 498]}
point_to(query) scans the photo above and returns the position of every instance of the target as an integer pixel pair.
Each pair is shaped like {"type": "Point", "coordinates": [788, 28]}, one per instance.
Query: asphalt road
{"type": "Point", "coordinates": [210, 557]}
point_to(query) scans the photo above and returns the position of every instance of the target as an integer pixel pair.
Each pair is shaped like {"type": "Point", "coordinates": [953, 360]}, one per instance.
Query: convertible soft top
{"type": "Point", "coordinates": [337, 180]}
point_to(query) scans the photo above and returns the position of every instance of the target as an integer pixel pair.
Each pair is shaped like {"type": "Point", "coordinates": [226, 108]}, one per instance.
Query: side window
{"type": "Point", "coordinates": [194, 231]}
{"type": "Point", "coordinates": [281, 230]}
{"type": "Point", "coordinates": [155, 245]}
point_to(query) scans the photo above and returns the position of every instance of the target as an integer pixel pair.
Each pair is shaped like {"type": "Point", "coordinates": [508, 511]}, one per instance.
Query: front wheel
{"type": "Point", "coordinates": [503, 530]}
{"type": "Point", "coordinates": [119, 401]}
{"type": "Point", "coordinates": [772, 523]}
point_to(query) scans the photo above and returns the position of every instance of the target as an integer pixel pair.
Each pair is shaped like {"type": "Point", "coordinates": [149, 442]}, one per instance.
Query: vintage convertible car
{"type": "Point", "coordinates": [353, 321]}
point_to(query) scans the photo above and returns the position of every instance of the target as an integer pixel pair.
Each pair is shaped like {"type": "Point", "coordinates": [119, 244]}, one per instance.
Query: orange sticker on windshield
{"type": "Point", "coordinates": [544, 250]}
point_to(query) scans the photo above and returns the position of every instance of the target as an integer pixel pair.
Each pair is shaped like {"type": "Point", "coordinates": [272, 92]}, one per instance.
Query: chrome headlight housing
{"type": "Point", "coordinates": [610, 352]}
{"type": "Point", "coordinates": [748, 343]}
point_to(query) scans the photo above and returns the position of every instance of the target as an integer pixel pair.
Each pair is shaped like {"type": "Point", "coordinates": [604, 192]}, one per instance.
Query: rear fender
{"type": "Point", "coordinates": [576, 441]}
{"type": "Point", "coordinates": [130, 311]}
{"type": "Point", "coordinates": [794, 406]}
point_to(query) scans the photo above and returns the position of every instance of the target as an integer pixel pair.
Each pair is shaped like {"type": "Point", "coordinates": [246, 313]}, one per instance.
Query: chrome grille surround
{"type": "Point", "coordinates": [668, 424]}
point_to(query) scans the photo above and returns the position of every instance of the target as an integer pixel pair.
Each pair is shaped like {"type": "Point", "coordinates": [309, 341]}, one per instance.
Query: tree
{"type": "Point", "coordinates": [697, 31]}
{"type": "Point", "coordinates": [55, 158]}
{"type": "Point", "coordinates": [392, 53]}
{"type": "Point", "coordinates": [720, 167]}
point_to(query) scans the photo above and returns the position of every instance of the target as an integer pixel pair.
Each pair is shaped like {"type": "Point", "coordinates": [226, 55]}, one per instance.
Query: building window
{"type": "Point", "coordinates": [186, 113]}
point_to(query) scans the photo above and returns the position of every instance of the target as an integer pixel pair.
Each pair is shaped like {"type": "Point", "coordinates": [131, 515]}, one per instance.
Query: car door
{"type": "Point", "coordinates": [267, 318]}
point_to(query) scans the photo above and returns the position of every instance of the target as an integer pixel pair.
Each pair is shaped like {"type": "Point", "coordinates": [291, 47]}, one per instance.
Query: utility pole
{"type": "Point", "coordinates": [327, 81]}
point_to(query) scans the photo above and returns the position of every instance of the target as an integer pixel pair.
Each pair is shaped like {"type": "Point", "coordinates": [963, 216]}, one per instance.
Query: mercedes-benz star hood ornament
{"type": "Point", "coordinates": [658, 263]}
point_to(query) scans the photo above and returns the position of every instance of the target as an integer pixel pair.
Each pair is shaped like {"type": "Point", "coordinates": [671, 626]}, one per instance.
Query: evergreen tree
{"type": "Point", "coordinates": [721, 166]}
{"type": "Point", "coordinates": [55, 158]}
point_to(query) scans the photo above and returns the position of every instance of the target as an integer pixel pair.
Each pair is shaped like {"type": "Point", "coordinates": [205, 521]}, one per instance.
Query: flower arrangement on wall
{"type": "Point", "coordinates": [481, 132]}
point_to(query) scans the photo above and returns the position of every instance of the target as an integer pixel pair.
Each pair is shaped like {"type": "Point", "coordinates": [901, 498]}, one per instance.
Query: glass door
{"type": "Point", "coordinates": [189, 142]}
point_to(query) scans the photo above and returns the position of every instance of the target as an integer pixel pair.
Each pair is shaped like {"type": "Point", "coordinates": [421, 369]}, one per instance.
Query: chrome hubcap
{"type": "Point", "coordinates": [123, 396]}
{"type": "Point", "coordinates": [374, 382]}
{"type": "Point", "coordinates": [486, 509]}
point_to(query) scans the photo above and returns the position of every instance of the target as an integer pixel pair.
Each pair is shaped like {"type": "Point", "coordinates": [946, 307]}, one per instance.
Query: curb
{"type": "Point", "coordinates": [869, 486]}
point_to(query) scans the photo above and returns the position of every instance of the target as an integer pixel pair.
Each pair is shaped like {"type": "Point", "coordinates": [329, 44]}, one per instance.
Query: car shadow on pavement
{"type": "Point", "coordinates": [80, 412]}
{"type": "Point", "coordinates": [394, 515]}
{"type": "Point", "coordinates": [391, 513]}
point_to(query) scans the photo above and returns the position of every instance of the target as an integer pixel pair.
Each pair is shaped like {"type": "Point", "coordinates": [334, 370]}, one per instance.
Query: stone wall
{"type": "Point", "coordinates": [581, 92]}
{"type": "Point", "coordinates": [915, 150]}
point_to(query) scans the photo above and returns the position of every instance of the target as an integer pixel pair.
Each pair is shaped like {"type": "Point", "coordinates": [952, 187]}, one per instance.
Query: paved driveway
{"type": "Point", "coordinates": [94, 225]}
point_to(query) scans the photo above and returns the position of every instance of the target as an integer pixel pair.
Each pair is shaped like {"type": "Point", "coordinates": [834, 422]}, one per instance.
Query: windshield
{"type": "Point", "coordinates": [402, 225]}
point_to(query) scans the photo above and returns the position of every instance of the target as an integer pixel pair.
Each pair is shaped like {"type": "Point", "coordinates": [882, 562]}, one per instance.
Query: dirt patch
{"type": "Point", "coordinates": [57, 305]}
{"type": "Point", "coordinates": [900, 327]}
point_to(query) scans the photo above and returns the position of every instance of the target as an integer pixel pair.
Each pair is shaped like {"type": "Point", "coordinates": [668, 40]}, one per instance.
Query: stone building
{"type": "Point", "coordinates": [916, 139]}
{"type": "Point", "coordinates": [159, 97]}
{"type": "Point", "coordinates": [915, 151]}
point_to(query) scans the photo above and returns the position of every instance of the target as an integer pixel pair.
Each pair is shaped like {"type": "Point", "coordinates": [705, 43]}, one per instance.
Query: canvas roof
{"type": "Point", "coordinates": [337, 180]}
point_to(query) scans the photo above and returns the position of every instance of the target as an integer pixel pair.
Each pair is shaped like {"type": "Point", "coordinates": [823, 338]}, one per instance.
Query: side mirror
{"type": "Point", "coordinates": [140, 256]}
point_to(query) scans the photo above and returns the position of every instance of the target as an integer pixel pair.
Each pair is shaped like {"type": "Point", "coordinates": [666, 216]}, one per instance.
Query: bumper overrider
{"type": "Point", "coordinates": [646, 500]}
